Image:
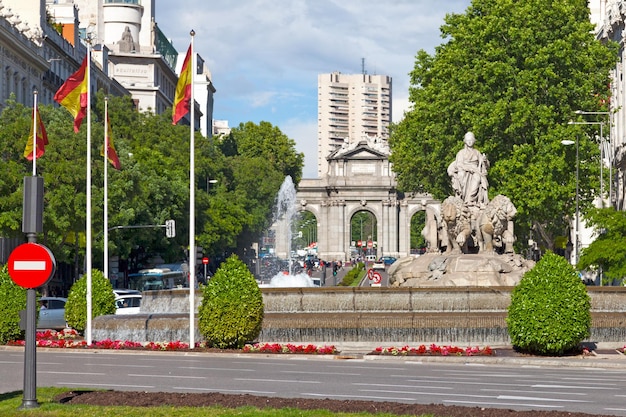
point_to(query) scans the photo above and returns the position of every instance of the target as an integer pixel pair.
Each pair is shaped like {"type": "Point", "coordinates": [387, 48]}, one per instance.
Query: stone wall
{"type": "Point", "coordinates": [461, 316]}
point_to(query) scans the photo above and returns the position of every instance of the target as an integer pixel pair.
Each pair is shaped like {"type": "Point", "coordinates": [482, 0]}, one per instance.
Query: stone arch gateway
{"type": "Point", "coordinates": [360, 177]}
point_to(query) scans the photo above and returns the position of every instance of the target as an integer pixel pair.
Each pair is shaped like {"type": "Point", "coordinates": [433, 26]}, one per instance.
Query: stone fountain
{"type": "Point", "coordinates": [470, 239]}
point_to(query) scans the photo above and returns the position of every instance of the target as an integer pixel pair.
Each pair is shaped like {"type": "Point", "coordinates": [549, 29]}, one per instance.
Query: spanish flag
{"type": "Point", "coordinates": [111, 154]}
{"type": "Point", "coordinates": [42, 138]}
{"type": "Point", "coordinates": [183, 90]}
{"type": "Point", "coordinates": [73, 94]}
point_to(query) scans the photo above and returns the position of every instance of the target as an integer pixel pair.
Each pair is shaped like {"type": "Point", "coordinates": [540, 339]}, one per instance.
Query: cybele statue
{"type": "Point", "coordinates": [470, 239]}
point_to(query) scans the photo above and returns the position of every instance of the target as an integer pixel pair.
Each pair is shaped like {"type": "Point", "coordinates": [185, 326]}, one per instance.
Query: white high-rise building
{"type": "Point", "coordinates": [351, 107]}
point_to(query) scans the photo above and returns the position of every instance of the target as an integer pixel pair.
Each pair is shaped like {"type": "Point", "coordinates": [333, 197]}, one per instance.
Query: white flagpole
{"type": "Point", "coordinates": [192, 208]}
{"type": "Point", "coordinates": [35, 133]}
{"type": "Point", "coordinates": [88, 185]}
{"type": "Point", "coordinates": [106, 187]}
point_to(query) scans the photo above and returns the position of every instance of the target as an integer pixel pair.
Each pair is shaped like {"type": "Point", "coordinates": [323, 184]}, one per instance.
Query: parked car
{"type": "Point", "coordinates": [52, 313]}
{"type": "Point", "coordinates": [127, 301]}
{"type": "Point", "coordinates": [388, 260]}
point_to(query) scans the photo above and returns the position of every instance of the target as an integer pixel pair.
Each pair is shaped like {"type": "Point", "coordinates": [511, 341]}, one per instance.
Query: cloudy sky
{"type": "Point", "coordinates": [264, 56]}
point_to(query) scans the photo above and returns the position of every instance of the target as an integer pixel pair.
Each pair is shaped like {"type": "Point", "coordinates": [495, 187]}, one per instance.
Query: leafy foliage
{"type": "Point", "coordinates": [608, 250]}
{"type": "Point", "coordinates": [513, 73]}
{"type": "Point", "coordinates": [12, 300]}
{"type": "Point", "coordinates": [231, 313]}
{"type": "Point", "coordinates": [550, 308]}
{"type": "Point", "coordinates": [102, 300]}
{"type": "Point", "coordinates": [151, 187]}
{"type": "Point", "coordinates": [353, 276]}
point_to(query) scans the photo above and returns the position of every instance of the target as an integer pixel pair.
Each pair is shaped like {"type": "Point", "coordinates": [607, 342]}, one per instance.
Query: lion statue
{"type": "Point", "coordinates": [456, 219]}
{"type": "Point", "coordinates": [496, 225]}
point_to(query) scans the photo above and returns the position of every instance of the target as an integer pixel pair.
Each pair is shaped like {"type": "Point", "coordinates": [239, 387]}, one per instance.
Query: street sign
{"type": "Point", "coordinates": [376, 278]}
{"type": "Point", "coordinates": [31, 265]}
{"type": "Point", "coordinates": [205, 260]}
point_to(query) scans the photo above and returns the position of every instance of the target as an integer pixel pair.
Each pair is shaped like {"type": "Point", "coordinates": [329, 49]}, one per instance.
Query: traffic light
{"type": "Point", "coordinates": [335, 268]}
{"type": "Point", "coordinates": [199, 255]}
{"type": "Point", "coordinates": [170, 228]}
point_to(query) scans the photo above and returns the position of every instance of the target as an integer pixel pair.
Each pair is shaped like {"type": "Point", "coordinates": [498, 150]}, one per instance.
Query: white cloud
{"type": "Point", "coordinates": [265, 56]}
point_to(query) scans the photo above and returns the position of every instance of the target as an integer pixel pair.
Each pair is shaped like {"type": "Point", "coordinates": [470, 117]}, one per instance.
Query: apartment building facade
{"type": "Point", "coordinates": [351, 108]}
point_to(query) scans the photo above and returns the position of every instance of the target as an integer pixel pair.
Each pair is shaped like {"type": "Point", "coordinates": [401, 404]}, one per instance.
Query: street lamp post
{"type": "Point", "coordinates": [577, 220]}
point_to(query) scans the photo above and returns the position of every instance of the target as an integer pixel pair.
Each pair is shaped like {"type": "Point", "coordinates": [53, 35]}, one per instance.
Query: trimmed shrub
{"type": "Point", "coordinates": [550, 308]}
{"type": "Point", "coordinates": [102, 300]}
{"type": "Point", "coordinates": [12, 300]}
{"type": "Point", "coordinates": [231, 312]}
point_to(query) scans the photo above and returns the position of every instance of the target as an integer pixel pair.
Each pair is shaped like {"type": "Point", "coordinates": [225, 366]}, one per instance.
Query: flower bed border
{"type": "Point", "coordinates": [70, 338]}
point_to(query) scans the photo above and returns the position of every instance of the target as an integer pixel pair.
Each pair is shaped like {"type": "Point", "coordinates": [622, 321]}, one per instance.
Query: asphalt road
{"type": "Point", "coordinates": [468, 383]}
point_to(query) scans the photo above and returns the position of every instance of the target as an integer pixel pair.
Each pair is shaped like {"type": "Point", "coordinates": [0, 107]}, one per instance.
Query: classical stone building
{"type": "Point", "coordinates": [359, 178]}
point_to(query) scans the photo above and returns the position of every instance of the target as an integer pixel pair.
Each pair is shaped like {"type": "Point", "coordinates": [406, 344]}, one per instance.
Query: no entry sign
{"type": "Point", "coordinates": [31, 265]}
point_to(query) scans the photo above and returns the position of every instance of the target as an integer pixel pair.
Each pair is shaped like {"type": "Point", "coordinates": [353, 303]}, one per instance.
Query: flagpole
{"type": "Point", "coordinates": [192, 208]}
{"type": "Point", "coordinates": [88, 185]}
{"type": "Point", "coordinates": [35, 133]}
{"type": "Point", "coordinates": [106, 188]}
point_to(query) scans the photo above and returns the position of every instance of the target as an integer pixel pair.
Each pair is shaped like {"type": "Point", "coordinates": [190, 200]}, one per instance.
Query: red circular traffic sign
{"type": "Point", "coordinates": [31, 265]}
{"type": "Point", "coordinates": [376, 278]}
{"type": "Point", "coordinates": [205, 261]}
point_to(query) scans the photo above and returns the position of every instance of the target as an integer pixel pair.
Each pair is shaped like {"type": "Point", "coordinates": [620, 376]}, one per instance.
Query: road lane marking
{"type": "Point", "coordinates": [167, 376]}
{"type": "Point", "coordinates": [501, 404]}
{"type": "Point", "coordinates": [286, 381]}
{"type": "Point", "coordinates": [515, 397]}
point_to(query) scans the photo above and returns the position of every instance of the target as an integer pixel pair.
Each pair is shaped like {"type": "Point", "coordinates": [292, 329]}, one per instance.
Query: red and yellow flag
{"type": "Point", "coordinates": [73, 94]}
{"type": "Point", "coordinates": [111, 154]}
{"type": "Point", "coordinates": [183, 90]}
{"type": "Point", "coordinates": [42, 138]}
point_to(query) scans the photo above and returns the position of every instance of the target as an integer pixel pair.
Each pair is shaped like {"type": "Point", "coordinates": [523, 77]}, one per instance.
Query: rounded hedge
{"type": "Point", "coordinates": [102, 300]}
{"type": "Point", "coordinates": [550, 308]}
{"type": "Point", "coordinates": [231, 312]}
{"type": "Point", "coordinates": [12, 300]}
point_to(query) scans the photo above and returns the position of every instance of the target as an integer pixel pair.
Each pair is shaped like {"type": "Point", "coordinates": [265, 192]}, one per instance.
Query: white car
{"type": "Point", "coordinates": [379, 264]}
{"type": "Point", "coordinates": [127, 301]}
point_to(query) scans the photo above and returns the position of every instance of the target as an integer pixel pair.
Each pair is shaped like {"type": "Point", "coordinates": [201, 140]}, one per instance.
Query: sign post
{"type": "Point", "coordinates": [205, 262]}
{"type": "Point", "coordinates": [31, 265]}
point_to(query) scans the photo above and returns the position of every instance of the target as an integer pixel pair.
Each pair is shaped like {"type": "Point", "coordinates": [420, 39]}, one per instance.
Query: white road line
{"type": "Point", "coordinates": [403, 386]}
{"type": "Point", "coordinates": [70, 373]}
{"type": "Point", "coordinates": [429, 393]}
{"type": "Point", "coordinates": [82, 384]}
{"type": "Point", "coordinates": [247, 391]}
{"type": "Point", "coordinates": [217, 369]}
{"type": "Point", "coordinates": [317, 373]}
{"type": "Point", "coordinates": [578, 394]}
{"type": "Point", "coordinates": [167, 376]}
{"type": "Point", "coordinates": [113, 365]}
{"type": "Point", "coordinates": [286, 381]}
{"type": "Point", "coordinates": [574, 387]}
{"type": "Point", "coordinates": [515, 397]}
{"type": "Point", "coordinates": [350, 396]}
{"type": "Point", "coordinates": [502, 404]}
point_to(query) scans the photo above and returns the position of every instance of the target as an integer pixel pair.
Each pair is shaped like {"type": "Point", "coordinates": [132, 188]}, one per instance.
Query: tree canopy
{"type": "Point", "coordinates": [513, 73]}
{"type": "Point", "coordinates": [234, 191]}
{"type": "Point", "coordinates": [608, 251]}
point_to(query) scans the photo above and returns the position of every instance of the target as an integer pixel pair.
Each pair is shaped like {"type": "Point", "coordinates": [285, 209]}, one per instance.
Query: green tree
{"type": "Point", "coordinates": [513, 73]}
{"type": "Point", "coordinates": [607, 252]}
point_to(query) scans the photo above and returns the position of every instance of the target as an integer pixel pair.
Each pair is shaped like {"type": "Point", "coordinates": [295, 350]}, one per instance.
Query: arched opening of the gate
{"type": "Point", "coordinates": [363, 234]}
{"type": "Point", "coordinates": [418, 242]}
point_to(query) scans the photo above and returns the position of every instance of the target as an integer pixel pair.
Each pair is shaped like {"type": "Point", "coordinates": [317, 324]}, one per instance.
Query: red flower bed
{"type": "Point", "coordinates": [433, 350]}
{"type": "Point", "coordinates": [71, 339]}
